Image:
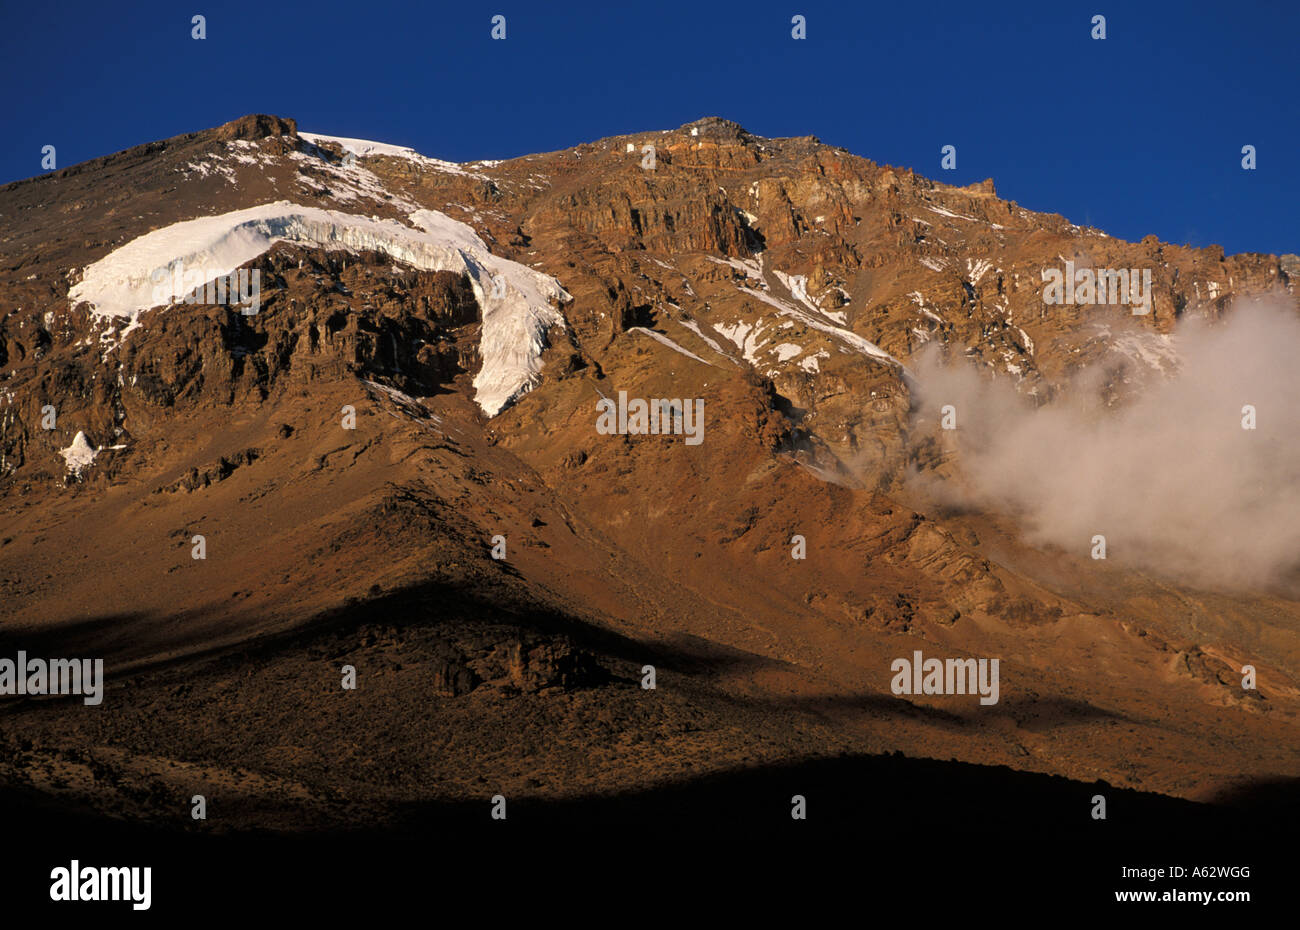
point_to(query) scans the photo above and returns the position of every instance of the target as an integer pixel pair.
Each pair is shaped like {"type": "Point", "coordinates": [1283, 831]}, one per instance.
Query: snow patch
{"type": "Point", "coordinates": [711, 343]}
{"type": "Point", "coordinates": [797, 285]}
{"type": "Point", "coordinates": [210, 164]}
{"type": "Point", "coordinates": [847, 336]}
{"type": "Point", "coordinates": [920, 303]}
{"type": "Point", "coordinates": [1154, 350]}
{"type": "Point", "coordinates": [748, 266]}
{"type": "Point", "coordinates": [744, 335]}
{"type": "Point", "coordinates": [80, 455]}
{"type": "Point", "coordinates": [660, 337]}
{"type": "Point", "coordinates": [977, 268]}
{"type": "Point", "coordinates": [346, 183]}
{"type": "Point", "coordinates": [811, 364]}
{"type": "Point", "coordinates": [364, 147]}
{"type": "Point", "coordinates": [945, 212]}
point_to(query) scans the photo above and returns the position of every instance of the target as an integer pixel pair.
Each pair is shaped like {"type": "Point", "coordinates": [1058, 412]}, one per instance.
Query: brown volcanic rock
{"type": "Point", "coordinates": [256, 126]}
{"type": "Point", "coordinates": [372, 546]}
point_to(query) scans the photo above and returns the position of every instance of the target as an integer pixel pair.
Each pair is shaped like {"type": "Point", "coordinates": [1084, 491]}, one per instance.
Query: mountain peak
{"type": "Point", "coordinates": [256, 126]}
{"type": "Point", "coordinates": [715, 126]}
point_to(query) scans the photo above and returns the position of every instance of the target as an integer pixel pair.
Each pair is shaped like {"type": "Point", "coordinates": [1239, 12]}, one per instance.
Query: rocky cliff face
{"type": "Point", "coordinates": [788, 284]}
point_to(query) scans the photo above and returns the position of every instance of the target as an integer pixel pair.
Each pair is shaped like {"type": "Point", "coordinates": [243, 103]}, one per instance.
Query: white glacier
{"type": "Point", "coordinates": [516, 301]}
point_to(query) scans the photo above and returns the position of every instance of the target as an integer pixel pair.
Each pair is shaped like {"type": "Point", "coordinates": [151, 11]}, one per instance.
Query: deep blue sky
{"type": "Point", "coordinates": [1137, 134]}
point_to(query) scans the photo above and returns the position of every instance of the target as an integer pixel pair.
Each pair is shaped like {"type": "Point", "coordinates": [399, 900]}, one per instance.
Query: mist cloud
{"type": "Point", "coordinates": [1169, 476]}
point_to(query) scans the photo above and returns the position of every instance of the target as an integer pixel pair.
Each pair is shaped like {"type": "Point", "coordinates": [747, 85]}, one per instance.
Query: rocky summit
{"type": "Point", "coordinates": [378, 480]}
